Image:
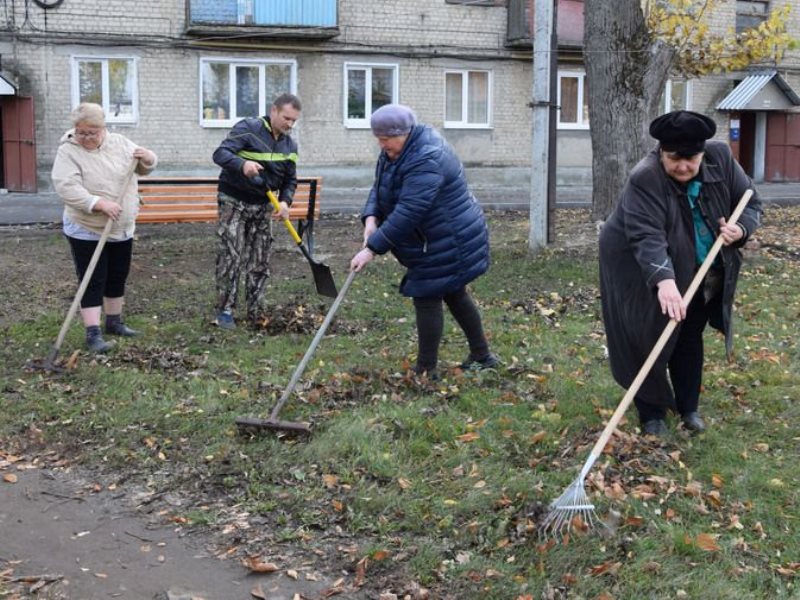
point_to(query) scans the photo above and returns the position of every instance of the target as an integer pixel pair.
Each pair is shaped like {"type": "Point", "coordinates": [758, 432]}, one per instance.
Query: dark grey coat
{"type": "Point", "coordinates": [650, 237]}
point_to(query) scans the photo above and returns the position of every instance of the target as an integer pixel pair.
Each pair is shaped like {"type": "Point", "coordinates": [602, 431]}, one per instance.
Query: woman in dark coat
{"type": "Point", "coordinates": [673, 206]}
{"type": "Point", "coordinates": [421, 209]}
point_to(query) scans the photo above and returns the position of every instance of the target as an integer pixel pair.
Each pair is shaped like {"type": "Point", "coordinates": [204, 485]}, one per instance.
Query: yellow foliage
{"type": "Point", "coordinates": [683, 24]}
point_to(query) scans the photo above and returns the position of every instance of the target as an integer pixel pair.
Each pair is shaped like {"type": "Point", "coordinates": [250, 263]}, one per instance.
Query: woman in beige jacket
{"type": "Point", "coordinates": [89, 170]}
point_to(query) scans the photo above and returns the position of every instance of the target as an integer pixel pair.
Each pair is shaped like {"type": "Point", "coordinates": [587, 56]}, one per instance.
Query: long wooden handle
{"type": "Point", "coordinates": [312, 347]}
{"type": "Point", "coordinates": [644, 371]}
{"type": "Point", "coordinates": [287, 222]}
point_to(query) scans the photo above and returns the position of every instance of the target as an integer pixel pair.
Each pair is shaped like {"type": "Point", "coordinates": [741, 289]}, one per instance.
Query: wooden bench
{"type": "Point", "coordinates": [194, 199]}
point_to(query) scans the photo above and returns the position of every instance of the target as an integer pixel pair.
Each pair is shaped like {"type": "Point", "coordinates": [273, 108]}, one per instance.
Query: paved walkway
{"type": "Point", "coordinates": [46, 208]}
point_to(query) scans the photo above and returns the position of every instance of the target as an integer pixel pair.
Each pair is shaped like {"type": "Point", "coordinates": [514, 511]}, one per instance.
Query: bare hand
{"type": "Point", "coordinates": [361, 259]}
{"type": "Point", "coordinates": [250, 168]}
{"type": "Point", "coordinates": [145, 156]}
{"type": "Point", "coordinates": [670, 299]}
{"type": "Point", "coordinates": [282, 214]}
{"type": "Point", "coordinates": [730, 233]}
{"type": "Point", "coordinates": [370, 227]}
{"type": "Point", "coordinates": [110, 209]}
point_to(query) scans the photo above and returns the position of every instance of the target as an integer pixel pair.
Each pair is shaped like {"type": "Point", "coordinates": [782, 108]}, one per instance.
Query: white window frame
{"type": "Point", "coordinates": [233, 62]}
{"type": "Point", "coordinates": [583, 119]}
{"type": "Point", "coordinates": [75, 61]}
{"type": "Point", "coordinates": [364, 123]}
{"type": "Point", "coordinates": [687, 98]}
{"type": "Point", "coordinates": [464, 123]}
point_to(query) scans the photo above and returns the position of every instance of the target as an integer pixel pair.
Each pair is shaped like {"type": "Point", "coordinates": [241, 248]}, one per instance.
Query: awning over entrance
{"type": "Point", "coordinates": [765, 90]}
{"type": "Point", "coordinates": [7, 86]}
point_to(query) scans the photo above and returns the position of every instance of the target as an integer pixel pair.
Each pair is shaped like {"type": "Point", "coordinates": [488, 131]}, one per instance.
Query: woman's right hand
{"type": "Point", "coordinates": [110, 209]}
{"type": "Point", "coordinates": [671, 300]}
{"type": "Point", "coordinates": [361, 260]}
{"type": "Point", "coordinates": [370, 227]}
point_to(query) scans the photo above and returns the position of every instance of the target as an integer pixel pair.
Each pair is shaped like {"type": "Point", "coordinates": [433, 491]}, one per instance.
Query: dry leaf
{"type": "Point", "coordinates": [707, 542]}
{"type": "Point", "coordinates": [717, 481]}
{"type": "Point", "coordinates": [380, 555]}
{"type": "Point", "coordinates": [10, 478]}
{"type": "Point", "coordinates": [291, 573]}
{"type": "Point", "coordinates": [330, 481]}
{"type": "Point", "coordinates": [256, 565]}
{"type": "Point", "coordinates": [469, 437]}
{"type": "Point", "coordinates": [403, 483]}
{"type": "Point", "coordinates": [257, 592]}
{"type": "Point", "coordinates": [761, 447]}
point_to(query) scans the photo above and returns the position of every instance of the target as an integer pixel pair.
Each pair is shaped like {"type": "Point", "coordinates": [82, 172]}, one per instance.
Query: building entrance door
{"type": "Point", "coordinates": [18, 144]}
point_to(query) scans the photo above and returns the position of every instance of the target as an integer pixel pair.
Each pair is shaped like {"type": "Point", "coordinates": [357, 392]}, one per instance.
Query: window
{"type": "Point", "coordinates": [367, 88]}
{"type": "Point", "coordinates": [750, 13]}
{"type": "Point", "coordinates": [109, 82]}
{"type": "Point", "coordinates": [676, 95]}
{"type": "Point", "coordinates": [573, 112]}
{"type": "Point", "coordinates": [231, 90]}
{"type": "Point", "coordinates": [467, 99]}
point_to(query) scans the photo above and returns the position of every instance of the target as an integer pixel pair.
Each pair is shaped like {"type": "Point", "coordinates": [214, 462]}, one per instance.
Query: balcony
{"type": "Point", "coordinates": [263, 18]}
{"type": "Point", "coordinates": [520, 23]}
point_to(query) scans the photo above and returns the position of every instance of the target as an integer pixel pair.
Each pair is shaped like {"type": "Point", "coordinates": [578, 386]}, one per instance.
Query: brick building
{"type": "Point", "coordinates": [174, 75]}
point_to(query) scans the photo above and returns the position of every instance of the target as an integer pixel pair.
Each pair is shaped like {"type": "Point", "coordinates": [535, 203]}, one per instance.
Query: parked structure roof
{"type": "Point", "coordinates": [751, 92]}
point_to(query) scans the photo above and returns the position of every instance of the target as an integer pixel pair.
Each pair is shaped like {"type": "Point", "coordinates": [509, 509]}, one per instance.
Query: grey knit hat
{"type": "Point", "coordinates": [391, 120]}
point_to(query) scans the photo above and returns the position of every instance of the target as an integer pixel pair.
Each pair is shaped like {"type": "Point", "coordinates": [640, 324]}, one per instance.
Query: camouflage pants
{"type": "Point", "coordinates": [244, 237]}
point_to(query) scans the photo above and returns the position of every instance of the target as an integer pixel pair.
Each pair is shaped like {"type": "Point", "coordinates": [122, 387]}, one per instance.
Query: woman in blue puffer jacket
{"type": "Point", "coordinates": [421, 209]}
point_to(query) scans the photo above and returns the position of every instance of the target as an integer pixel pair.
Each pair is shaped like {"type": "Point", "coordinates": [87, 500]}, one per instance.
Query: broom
{"type": "Point", "coordinates": [573, 507]}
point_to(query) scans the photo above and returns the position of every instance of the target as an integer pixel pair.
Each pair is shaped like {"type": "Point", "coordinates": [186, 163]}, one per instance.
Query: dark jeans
{"type": "Point", "coordinates": [685, 365]}
{"type": "Point", "coordinates": [430, 326]}
{"type": "Point", "coordinates": [110, 273]}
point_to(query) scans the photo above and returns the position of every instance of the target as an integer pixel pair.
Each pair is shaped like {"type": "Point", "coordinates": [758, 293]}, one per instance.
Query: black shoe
{"type": "Point", "coordinates": [490, 361]}
{"type": "Point", "coordinates": [654, 427]}
{"type": "Point", "coordinates": [693, 422]}
{"type": "Point", "coordinates": [121, 330]}
{"type": "Point", "coordinates": [98, 345]}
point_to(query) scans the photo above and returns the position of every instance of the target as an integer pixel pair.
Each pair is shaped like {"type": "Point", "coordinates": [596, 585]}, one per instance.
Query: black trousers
{"type": "Point", "coordinates": [110, 273]}
{"type": "Point", "coordinates": [685, 365]}
{"type": "Point", "coordinates": [430, 326]}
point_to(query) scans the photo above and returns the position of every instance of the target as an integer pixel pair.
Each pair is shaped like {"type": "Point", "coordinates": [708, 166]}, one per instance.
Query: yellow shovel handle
{"type": "Point", "coordinates": [286, 222]}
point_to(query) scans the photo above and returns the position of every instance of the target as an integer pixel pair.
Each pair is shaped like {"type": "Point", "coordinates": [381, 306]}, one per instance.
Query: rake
{"type": "Point", "coordinates": [573, 509]}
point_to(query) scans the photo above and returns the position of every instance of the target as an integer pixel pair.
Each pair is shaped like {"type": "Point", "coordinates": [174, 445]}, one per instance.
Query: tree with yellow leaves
{"type": "Point", "coordinates": [631, 49]}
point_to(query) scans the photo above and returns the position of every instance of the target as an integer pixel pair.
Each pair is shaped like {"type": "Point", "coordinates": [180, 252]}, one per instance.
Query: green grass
{"type": "Point", "coordinates": [440, 483]}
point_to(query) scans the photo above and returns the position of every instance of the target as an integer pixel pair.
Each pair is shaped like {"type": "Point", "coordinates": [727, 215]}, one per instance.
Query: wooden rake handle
{"type": "Point", "coordinates": [644, 371]}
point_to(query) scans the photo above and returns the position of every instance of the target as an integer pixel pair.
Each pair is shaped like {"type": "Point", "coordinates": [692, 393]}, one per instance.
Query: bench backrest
{"type": "Point", "coordinates": [194, 199]}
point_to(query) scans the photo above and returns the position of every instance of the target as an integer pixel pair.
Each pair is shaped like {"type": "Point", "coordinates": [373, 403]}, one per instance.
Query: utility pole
{"type": "Point", "coordinates": [541, 106]}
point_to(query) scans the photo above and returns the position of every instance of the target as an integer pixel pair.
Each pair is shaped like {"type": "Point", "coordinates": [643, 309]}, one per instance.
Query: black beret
{"type": "Point", "coordinates": [683, 131]}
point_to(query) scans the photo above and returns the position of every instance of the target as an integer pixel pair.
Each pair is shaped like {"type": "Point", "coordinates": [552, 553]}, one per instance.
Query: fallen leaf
{"type": "Point", "coordinates": [717, 481]}
{"type": "Point", "coordinates": [257, 592]}
{"type": "Point", "coordinates": [761, 447]}
{"type": "Point", "coordinates": [256, 565]}
{"type": "Point", "coordinates": [707, 542]}
{"type": "Point", "coordinates": [10, 478]}
{"type": "Point", "coordinates": [469, 437]}
{"type": "Point", "coordinates": [291, 573]}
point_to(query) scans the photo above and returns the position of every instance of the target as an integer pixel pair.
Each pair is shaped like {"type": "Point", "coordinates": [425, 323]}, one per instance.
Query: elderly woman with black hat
{"type": "Point", "coordinates": [421, 209]}
{"type": "Point", "coordinates": [675, 203]}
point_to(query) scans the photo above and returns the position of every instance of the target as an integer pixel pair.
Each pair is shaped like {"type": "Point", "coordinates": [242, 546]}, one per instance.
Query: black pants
{"type": "Point", "coordinates": [685, 365]}
{"type": "Point", "coordinates": [430, 326]}
{"type": "Point", "coordinates": [110, 273]}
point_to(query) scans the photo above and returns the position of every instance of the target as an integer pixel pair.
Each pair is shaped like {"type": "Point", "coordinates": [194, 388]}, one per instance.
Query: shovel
{"type": "Point", "coordinates": [253, 423]}
{"type": "Point", "coordinates": [322, 273]}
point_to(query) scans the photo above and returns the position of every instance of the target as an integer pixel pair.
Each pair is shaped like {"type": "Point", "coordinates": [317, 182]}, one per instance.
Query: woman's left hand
{"type": "Point", "coordinates": [730, 233]}
{"type": "Point", "coordinates": [145, 156]}
{"type": "Point", "coordinates": [361, 259]}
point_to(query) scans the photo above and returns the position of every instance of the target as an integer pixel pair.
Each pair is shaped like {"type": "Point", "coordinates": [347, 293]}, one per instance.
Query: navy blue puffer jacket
{"type": "Point", "coordinates": [427, 217]}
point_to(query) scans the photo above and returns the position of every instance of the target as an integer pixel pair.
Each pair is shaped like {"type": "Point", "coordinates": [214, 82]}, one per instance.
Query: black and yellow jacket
{"type": "Point", "coordinates": [251, 139]}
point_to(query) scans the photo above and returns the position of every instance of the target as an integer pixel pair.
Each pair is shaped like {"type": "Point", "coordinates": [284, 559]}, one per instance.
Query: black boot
{"type": "Point", "coordinates": [115, 326]}
{"type": "Point", "coordinates": [95, 341]}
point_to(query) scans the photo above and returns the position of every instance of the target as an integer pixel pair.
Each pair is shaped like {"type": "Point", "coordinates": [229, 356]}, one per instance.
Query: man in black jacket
{"type": "Point", "coordinates": [258, 155]}
{"type": "Point", "coordinates": [674, 205]}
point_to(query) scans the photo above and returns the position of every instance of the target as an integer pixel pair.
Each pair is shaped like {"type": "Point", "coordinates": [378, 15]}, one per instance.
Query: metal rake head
{"type": "Point", "coordinates": [571, 511]}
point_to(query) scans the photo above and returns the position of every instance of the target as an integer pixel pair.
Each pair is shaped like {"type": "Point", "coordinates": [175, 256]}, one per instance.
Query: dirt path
{"type": "Point", "coordinates": [68, 539]}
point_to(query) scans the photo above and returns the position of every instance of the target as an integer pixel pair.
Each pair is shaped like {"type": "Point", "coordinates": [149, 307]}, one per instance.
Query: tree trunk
{"type": "Point", "coordinates": [626, 70]}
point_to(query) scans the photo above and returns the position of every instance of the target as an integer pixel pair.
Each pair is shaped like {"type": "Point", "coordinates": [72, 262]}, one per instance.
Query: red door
{"type": "Point", "coordinates": [19, 146]}
{"type": "Point", "coordinates": [783, 147]}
